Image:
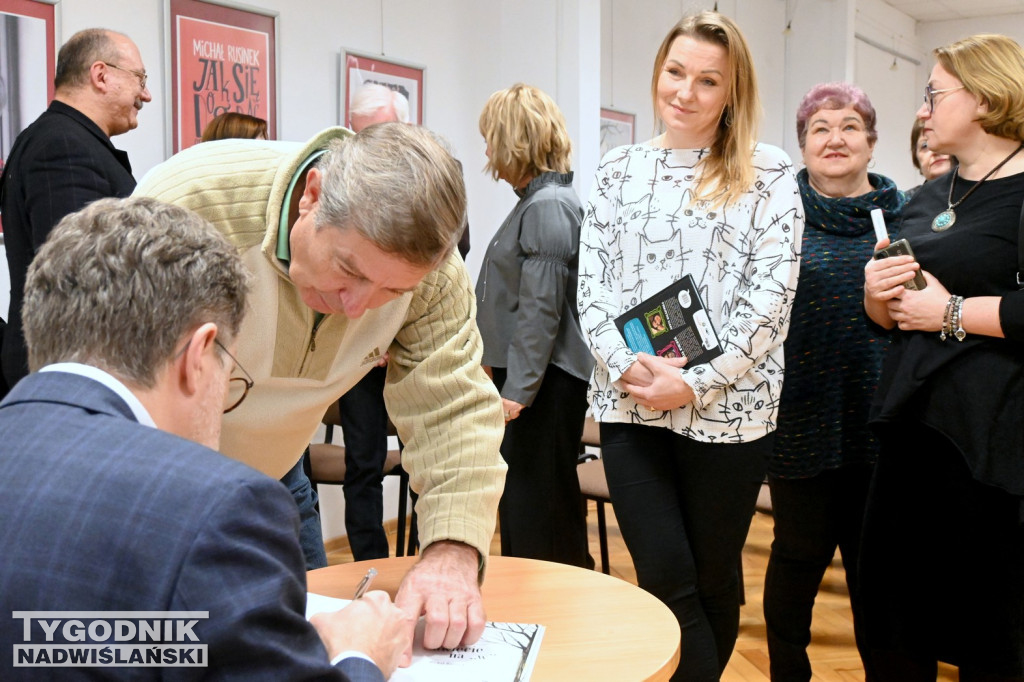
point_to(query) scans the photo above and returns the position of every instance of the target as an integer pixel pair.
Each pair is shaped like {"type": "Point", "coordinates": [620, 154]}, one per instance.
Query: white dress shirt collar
{"type": "Point", "coordinates": [108, 380]}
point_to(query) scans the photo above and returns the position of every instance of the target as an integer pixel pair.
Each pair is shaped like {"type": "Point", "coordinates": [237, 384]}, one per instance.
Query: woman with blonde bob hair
{"type": "Point", "coordinates": [687, 445]}
{"type": "Point", "coordinates": [527, 314]}
{"type": "Point", "coordinates": [950, 471]}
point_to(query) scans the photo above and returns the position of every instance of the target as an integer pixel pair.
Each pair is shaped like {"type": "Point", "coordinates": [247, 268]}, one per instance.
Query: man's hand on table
{"type": "Point", "coordinates": [443, 587]}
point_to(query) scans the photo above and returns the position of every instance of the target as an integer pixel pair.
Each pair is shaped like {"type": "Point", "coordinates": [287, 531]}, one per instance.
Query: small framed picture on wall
{"type": "Point", "coordinates": [617, 129]}
{"type": "Point", "coordinates": [222, 59]}
{"type": "Point", "coordinates": [361, 70]}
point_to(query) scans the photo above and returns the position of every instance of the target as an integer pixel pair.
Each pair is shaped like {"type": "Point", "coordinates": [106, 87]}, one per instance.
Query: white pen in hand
{"type": "Point", "coordinates": [364, 584]}
{"type": "Point", "coordinates": [878, 222]}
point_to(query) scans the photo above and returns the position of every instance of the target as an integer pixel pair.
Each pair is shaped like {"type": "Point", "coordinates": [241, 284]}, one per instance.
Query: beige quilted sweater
{"type": "Point", "coordinates": [446, 410]}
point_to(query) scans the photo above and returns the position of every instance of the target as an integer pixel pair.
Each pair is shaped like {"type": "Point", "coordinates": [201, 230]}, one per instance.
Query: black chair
{"type": "Point", "coordinates": [325, 463]}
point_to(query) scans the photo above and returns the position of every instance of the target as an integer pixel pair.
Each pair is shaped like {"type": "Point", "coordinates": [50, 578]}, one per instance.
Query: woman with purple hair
{"type": "Point", "coordinates": [823, 457]}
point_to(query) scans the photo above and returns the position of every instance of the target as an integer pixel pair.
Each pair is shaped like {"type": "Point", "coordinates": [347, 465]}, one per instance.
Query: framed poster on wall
{"type": "Point", "coordinates": [222, 58]}
{"type": "Point", "coordinates": [360, 69]}
{"type": "Point", "coordinates": [28, 56]}
{"type": "Point", "coordinates": [617, 129]}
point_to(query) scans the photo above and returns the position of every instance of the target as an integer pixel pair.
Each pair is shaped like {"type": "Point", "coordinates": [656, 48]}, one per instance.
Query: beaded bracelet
{"type": "Point", "coordinates": [947, 320]}
{"type": "Point", "coordinates": [957, 324]}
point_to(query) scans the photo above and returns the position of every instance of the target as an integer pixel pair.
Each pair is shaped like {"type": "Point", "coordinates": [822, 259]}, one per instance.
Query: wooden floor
{"type": "Point", "coordinates": [832, 652]}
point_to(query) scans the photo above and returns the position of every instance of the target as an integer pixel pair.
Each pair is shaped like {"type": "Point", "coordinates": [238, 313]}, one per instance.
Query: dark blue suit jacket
{"type": "Point", "coordinates": [101, 513]}
{"type": "Point", "coordinates": [57, 165]}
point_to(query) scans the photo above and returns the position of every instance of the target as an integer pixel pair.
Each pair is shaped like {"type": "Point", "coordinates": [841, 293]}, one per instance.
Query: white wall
{"type": "Point", "coordinates": [585, 53]}
{"type": "Point", "coordinates": [895, 93]}
{"type": "Point", "coordinates": [937, 33]}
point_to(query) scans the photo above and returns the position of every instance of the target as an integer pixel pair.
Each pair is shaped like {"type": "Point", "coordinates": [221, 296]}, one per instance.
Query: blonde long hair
{"type": "Point", "coordinates": [728, 171]}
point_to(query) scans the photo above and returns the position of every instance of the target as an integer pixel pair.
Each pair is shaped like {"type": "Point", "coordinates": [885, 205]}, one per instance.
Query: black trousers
{"type": "Point", "coordinates": [541, 511]}
{"type": "Point", "coordinates": [813, 516]}
{"type": "Point", "coordinates": [942, 564]}
{"type": "Point", "coordinates": [364, 423]}
{"type": "Point", "coordinates": [684, 509]}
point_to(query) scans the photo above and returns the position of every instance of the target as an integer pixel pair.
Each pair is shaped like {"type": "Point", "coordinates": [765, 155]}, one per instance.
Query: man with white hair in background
{"type": "Point", "coordinates": [363, 416]}
{"type": "Point", "coordinates": [376, 103]}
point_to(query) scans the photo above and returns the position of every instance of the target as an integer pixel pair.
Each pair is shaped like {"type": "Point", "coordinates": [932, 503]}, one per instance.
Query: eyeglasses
{"type": "Point", "coordinates": [247, 382]}
{"type": "Point", "coordinates": [929, 95]}
{"type": "Point", "coordinates": [141, 75]}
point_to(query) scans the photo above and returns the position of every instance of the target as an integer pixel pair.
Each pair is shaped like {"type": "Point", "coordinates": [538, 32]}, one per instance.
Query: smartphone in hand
{"type": "Point", "coordinates": [901, 247]}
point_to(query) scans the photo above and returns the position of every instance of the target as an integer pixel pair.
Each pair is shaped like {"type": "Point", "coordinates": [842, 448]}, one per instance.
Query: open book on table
{"type": "Point", "coordinates": [506, 652]}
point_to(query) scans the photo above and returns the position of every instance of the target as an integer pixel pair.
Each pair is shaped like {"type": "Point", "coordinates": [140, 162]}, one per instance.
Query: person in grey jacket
{"type": "Point", "coordinates": [529, 321]}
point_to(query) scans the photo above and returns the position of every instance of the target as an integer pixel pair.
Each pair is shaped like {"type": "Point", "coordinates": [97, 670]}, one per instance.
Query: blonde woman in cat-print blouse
{"type": "Point", "coordinates": [685, 447]}
{"type": "Point", "coordinates": [642, 232]}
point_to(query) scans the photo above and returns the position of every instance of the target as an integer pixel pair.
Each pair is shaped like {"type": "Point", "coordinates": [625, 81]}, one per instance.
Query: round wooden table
{"type": "Point", "coordinates": [597, 628]}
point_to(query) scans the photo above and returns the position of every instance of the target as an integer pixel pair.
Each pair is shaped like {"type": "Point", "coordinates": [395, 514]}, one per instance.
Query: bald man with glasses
{"type": "Point", "coordinates": [65, 159]}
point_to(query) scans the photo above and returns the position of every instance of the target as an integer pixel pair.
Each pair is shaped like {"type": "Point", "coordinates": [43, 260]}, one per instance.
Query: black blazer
{"type": "Point", "coordinates": [60, 163]}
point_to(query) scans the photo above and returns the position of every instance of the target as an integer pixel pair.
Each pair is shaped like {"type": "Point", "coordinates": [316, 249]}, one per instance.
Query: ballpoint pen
{"type": "Point", "coordinates": [364, 584]}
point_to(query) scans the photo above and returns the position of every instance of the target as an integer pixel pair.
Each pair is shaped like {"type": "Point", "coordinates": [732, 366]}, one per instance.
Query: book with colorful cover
{"type": "Point", "coordinates": [672, 323]}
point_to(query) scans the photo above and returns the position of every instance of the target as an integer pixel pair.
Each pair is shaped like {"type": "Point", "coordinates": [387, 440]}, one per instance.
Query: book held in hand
{"type": "Point", "coordinates": [672, 323]}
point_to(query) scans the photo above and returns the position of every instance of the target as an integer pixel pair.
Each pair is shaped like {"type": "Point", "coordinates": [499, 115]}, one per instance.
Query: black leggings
{"type": "Point", "coordinates": [684, 509]}
{"type": "Point", "coordinates": [812, 517]}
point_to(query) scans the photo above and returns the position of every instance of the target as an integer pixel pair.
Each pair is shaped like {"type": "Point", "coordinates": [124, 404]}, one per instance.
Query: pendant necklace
{"type": "Point", "coordinates": [945, 220]}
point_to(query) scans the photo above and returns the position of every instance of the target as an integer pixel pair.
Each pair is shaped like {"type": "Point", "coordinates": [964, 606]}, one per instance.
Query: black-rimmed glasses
{"type": "Point", "coordinates": [929, 95]}
{"type": "Point", "coordinates": [141, 75]}
{"type": "Point", "coordinates": [247, 381]}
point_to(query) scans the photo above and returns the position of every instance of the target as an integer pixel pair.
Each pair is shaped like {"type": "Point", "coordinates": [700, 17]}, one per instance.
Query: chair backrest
{"type": "Point", "coordinates": [593, 483]}
{"type": "Point", "coordinates": [332, 417]}
{"type": "Point", "coordinates": [590, 468]}
{"type": "Point", "coordinates": [327, 461]}
{"type": "Point", "coordinates": [591, 433]}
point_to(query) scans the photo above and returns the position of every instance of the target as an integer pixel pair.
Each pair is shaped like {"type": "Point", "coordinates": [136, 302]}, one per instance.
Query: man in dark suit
{"type": "Point", "coordinates": [65, 159]}
{"type": "Point", "coordinates": [131, 308]}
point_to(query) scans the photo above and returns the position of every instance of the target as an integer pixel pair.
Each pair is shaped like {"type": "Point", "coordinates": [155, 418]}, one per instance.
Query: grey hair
{"type": "Point", "coordinates": [398, 186]}
{"type": "Point", "coordinates": [120, 283]}
{"type": "Point", "coordinates": [80, 52]}
{"type": "Point", "coordinates": [373, 96]}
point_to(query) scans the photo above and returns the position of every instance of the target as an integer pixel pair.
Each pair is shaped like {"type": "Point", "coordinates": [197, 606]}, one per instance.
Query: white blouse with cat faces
{"type": "Point", "coordinates": [642, 232]}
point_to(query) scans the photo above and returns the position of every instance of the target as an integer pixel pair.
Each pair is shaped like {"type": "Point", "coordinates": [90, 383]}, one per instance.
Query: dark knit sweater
{"type": "Point", "coordinates": [833, 351]}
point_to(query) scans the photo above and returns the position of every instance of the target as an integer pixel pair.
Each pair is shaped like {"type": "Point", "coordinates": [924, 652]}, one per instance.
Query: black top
{"type": "Point", "coordinates": [971, 391]}
{"type": "Point", "coordinates": [60, 163]}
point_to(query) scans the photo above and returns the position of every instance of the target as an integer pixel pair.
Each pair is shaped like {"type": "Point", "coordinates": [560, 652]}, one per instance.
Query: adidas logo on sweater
{"type": "Point", "coordinates": [372, 357]}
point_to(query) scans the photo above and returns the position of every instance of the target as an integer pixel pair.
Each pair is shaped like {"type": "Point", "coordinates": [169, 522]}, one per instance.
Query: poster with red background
{"type": "Point", "coordinates": [222, 59]}
{"type": "Point", "coordinates": [27, 61]}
